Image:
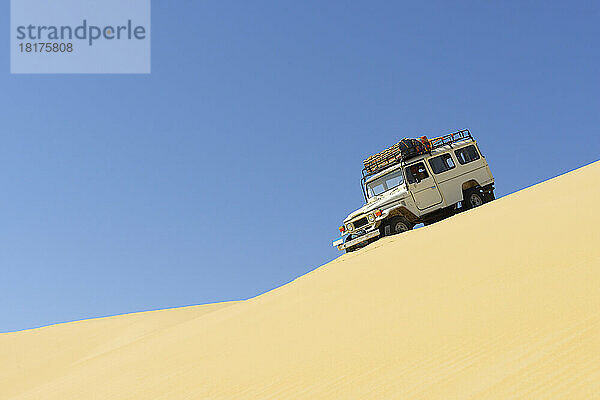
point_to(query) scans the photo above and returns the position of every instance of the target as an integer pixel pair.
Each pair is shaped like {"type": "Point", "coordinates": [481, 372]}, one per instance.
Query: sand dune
{"type": "Point", "coordinates": [501, 302]}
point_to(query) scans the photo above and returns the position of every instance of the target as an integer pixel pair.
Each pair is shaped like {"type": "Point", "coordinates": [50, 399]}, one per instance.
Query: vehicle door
{"type": "Point", "coordinates": [422, 186]}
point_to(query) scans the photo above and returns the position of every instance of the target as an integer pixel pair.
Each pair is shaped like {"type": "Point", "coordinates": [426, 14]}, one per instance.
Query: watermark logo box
{"type": "Point", "coordinates": [75, 36]}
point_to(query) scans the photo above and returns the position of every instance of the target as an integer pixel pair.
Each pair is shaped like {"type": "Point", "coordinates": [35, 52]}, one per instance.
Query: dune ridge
{"type": "Point", "coordinates": [497, 302]}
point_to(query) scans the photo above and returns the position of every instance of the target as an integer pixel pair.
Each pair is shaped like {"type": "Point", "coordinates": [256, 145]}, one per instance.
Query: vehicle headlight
{"type": "Point", "coordinates": [371, 217]}
{"type": "Point", "coordinates": [349, 227]}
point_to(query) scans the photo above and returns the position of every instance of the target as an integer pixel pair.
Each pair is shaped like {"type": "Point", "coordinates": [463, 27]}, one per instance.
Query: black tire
{"type": "Point", "coordinates": [395, 226]}
{"type": "Point", "coordinates": [350, 249]}
{"type": "Point", "coordinates": [473, 198]}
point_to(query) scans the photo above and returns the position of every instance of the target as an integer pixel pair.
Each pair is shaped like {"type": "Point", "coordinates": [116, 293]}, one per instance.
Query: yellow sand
{"type": "Point", "coordinates": [501, 302]}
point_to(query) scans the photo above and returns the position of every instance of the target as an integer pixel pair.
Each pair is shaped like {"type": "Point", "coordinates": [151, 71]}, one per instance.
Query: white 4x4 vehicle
{"type": "Point", "coordinates": [449, 175]}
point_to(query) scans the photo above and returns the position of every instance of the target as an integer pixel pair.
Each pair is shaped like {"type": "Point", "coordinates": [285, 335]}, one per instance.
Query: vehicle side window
{"type": "Point", "coordinates": [441, 163]}
{"type": "Point", "coordinates": [467, 154]}
{"type": "Point", "coordinates": [416, 173]}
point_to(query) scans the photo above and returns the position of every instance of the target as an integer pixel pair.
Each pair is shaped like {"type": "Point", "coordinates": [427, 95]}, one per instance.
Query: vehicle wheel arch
{"type": "Point", "coordinates": [468, 185]}
{"type": "Point", "coordinates": [402, 212]}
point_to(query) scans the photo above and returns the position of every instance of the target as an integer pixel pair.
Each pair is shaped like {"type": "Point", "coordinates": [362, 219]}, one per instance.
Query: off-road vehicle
{"type": "Point", "coordinates": [417, 181]}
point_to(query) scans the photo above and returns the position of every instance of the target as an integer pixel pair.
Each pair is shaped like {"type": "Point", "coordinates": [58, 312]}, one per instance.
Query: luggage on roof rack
{"type": "Point", "coordinates": [409, 148]}
{"type": "Point", "coordinates": [403, 150]}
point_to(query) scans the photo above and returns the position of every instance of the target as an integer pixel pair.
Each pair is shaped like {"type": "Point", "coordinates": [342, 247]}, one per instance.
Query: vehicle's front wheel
{"type": "Point", "coordinates": [473, 198]}
{"type": "Point", "coordinates": [349, 249]}
{"type": "Point", "coordinates": [394, 226]}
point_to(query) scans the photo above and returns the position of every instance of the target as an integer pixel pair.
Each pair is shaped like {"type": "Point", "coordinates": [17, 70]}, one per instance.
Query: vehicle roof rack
{"type": "Point", "coordinates": [450, 138]}
{"type": "Point", "coordinates": [393, 155]}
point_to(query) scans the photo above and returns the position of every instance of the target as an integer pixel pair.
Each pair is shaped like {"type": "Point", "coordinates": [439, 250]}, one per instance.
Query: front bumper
{"type": "Point", "coordinates": [353, 242]}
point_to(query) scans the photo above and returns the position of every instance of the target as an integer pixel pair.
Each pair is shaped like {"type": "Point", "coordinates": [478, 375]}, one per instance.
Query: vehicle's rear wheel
{"type": "Point", "coordinates": [473, 198]}
{"type": "Point", "coordinates": [394, 226]}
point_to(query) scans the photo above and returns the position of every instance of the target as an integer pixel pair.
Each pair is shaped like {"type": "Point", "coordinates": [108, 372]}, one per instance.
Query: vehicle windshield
{"type": "Point", "coordinates": [385, 183]}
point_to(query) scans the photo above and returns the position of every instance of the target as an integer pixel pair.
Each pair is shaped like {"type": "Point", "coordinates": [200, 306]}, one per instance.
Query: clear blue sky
{"type": "Point", "coordinates": [226, 172]}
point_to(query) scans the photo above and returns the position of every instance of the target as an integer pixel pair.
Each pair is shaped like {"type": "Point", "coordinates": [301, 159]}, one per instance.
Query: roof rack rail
{"type": "Point", "coordinates": [450, 138]}
{"type": "Point", "coordinates": [392, 155]}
